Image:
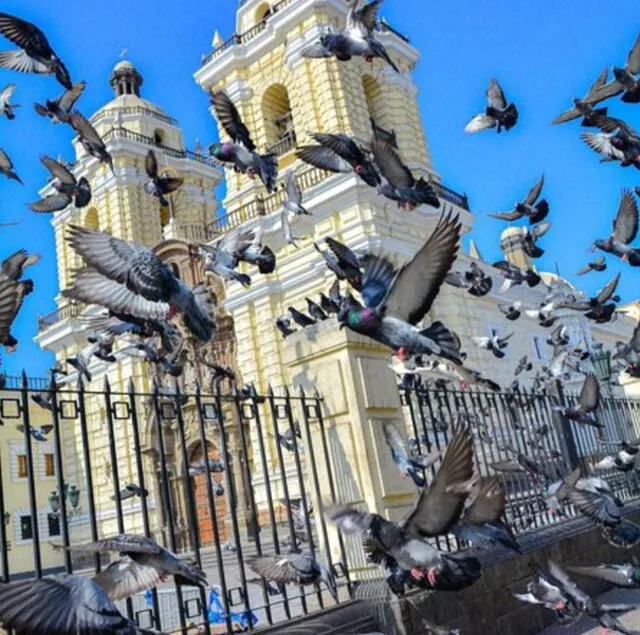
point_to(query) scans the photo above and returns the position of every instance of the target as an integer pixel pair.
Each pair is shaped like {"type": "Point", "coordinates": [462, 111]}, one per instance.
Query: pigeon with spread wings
{"type": "Point", "coordinates": [497, 114]}
{"type": "Point", "coordinates": [585, 107]}
{"type": "Point", "coordinates": [241, 150]}
{"type": "Point", "coordinates": [68, 189]}
{"type": "Point", "coordinates": [397, 301]}
{"type": "Point", "coordinates": [34, 54]}
{"type": "Point", "coordinates": [90, 139]}
{"type": "Point", "coordinates": [6, 107]}
{"type": "Point", "coordinates": [626, 81]}
{"type": "Point", "coordinates": [625, 230]}
{"type": "Point", "coordinates": [59, 110]}
{"type": "Point", "coordinates": [158, 185]}
{"type": "Point", "coordinates": [534, 211]}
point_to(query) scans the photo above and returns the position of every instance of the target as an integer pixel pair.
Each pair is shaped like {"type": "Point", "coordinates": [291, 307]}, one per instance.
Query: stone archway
{"type": "Point", "coordinates": [201, 498]}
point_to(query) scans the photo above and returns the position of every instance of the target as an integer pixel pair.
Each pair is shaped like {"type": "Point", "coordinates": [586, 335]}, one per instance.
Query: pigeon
{"type": "Point", "coordinates": [102, 346]}
{"type": "Point", "coordinates": [143, 564]}
{"type": "Point", "coordinates": [6, 166]}
{"type": "Point", "coordinates": [584, 107]}
{"type": "Point", "coordinates": [511, 311]}
{"type": "Point", "coordinates": [355, 40]}
{"type": "Point", "coordinates": [396, 302]}
{"type": "Point", "coordinates": [626, 576]}
{"type": "Point", "coordinates": [597, 265]}
{"type": "Point", "coordinates": [241, 150]}
{"type": "Point", "coordinates": [14, 265]}
{"type": "Point", "coordinates": [521, 463]}
{"type": "Point", "coordinates": [126, 277]}
{"type": "Point", "coordinates": [625, 230]}
{"type": "Point", "coordinates": [43, 399]}
{"type": "Point", "coordinates": [497, 114]}
{"type": "Point", "coordinates": [158, 185]}
{"type": "Point", "coordinates": [89, 139]}
{"type": "Point", "coordinates": [300, 318]}
{"type": "Point", "coordinates": [495, 343]}
{"type": "Point", "coordinates": [298, 568]}
{"type": "Point", "coordinates": [287, 233]}
{"type": "Point", "coordinates": [283, 324]}
{"type": "Point", "coordinates": [68, 189]}
{"type": "Point", "coordinates": [342, 262]}
{"type": "Point", "coordinates": [129, 491]}
{"type": "Point", "coordinates": [39, 433]}
{"type": "Point", "coordinates": [557, 493]}
{"type": "Point", "coordinates": [315, 310]}
{"type": "Point", "coordinates": [437, 511]}
{"type": "Point", "coordinates": [200, 467]}
{"type": "Point", "coordinates": [544, 314]}
{"type": "Point", "coordinates": [409, 465]}
{"type": "Point", "coordinates": [513, 275]}
{"type": "Point", "coordinates": [626, 80]}
{"type": "Point", "coordinates": [588, 403]}
{"type": "Point", "coordinates": [622, 144]}
{"type": "Point", "coordinates": [289, 438]}
{"type": "Point", "coordinates": [559, 336]}
{"type": "Point", "coordinates": [629, 351]}
{"type": "Point", "coordinates": [530, 237]}
{"type": "Point", "coordinates": [293, 202]}
{"type": "Point", "coordinates": [34, 55]}
{"type": "Point", "coordinates": [401, 186]}
{"type": "Point", "coordinates": [12, 294]}
{"type": "Point", "coordinates": [534, 211]}
{"type": "Point", "coordinates": [340, 153]}
{"type": "Point", "coordinates": [150, 352]}
{"type": "Point", "coordinates": [73, 605]}
{"type": "Point", "coordinates": [331, 304]}
{"type": "Point", "coordinates": [6, 107]}
{"type": "Point", "coordinates": [604, 614]}
{"type": "Point", "coordinates": [623, 461]}
{"type": "Point", "coordinates": [599, 308]}
{"type": "Point", "coordinates": [218, 372]}
{"type": "Point", "coordinates": [524, 365]}
{"type": "Point", "coordinates": [81, 361]}
{"type": "Point", "coordinates": [474, 280]}
{"type": "Point", "coordinates": [59, 110]}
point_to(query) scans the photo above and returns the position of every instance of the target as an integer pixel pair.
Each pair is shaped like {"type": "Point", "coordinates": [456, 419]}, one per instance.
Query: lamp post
{"type": "Point", "coordinates": [601, 361]}
{"type": "Point", "coordinates": [72, 496]}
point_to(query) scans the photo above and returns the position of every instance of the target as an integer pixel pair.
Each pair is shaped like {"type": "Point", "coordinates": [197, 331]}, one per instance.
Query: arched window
{"type": "Point", "coordinates": [158, 137]}
{"type": "Point", "coordinates": [262, 12]}
{"type": "Point", "coordinates": [91, 219]}
{"type": "Point", "coordinates": [378, 115]}
{"type": "Point", "coordinates": [276, 110]}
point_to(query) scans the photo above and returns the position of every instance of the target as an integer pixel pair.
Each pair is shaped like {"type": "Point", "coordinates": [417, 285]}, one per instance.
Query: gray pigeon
{"type": "Point", "coordinates": [626, 80]}
{"type": "Point", "coordinates": [588, 402]}
{"type": "Point", "coordinates": [283, 324]}
{"type": "Point", "coordinates": [584, 107]}
{"type": "Point", "coordinates": [531, 208]}
{"type": "Point", "coordinates": [35, 54]}
{"type": "Point", "coordinates": [12, 294]}
{"type": "Point", "coordinates": [6, 107]}
{"type": "Point", "coordinates": [524, 365]}
{"type": "Point", "coordinates": [511, 311]}
{"type": "Point", "coordinates": [597, 265]}
{"type": "Point", "coordinates": [126, 277]}
{"type": "Point", "coordinates": [67, 187]}
{"type": "Point", "coordinates": [14, 265]}
{"type": "Point", "coordinates": [293, 202]}
{"type": "Point", "coordinates": [39, 433]}
{"type": "Point", "coordinates": [158, 185]}
{"type": "Point", "coordinates": [6, 167]}
{"type": "Point", "coordinates": [90, 139]}
{"type": "Point", "coordinates": [342, 261]}
{"type": "Point", "coordinates": [497, 114]}
{"type": "Point", "coordinates": [397, 301]}
{"type": "Point", "coordinates": [59, 110]}
{"type": "Point", "coordinates": [65, 605]}
{"type": "Point", "coordinates": [200, 467]}
{"type": "Point", "coordinates": [626, 575]}
{"type": "Point", "coordinates": [625, 230]}
{"type": "Point", "coordinates": [530, 237]}
{"type": "Point", "coordinates": [241, 150]}
{"type": "Point", "coordinates": [129, 491]}
{"type": "Point", "coordinates": [495, 343]}
{"type": "Point", "coordinates": [298, 568]}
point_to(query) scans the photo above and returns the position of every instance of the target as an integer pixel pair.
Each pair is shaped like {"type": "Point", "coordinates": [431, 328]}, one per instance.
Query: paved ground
{"type": "Point", "coordinates": [586, 626]}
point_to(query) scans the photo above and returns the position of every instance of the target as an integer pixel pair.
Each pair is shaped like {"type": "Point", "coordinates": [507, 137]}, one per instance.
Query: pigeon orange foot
{"type": "Point", "coordinates": [416, 574]}
{"type": "Point", "coordinates": [431, 576]}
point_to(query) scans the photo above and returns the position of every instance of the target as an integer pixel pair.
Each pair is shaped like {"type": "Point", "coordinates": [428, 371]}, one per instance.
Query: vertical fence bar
{"type": "Point", "coordinates": [57, 441]}
{"type": "Point", "coordinates": [133, 413]}
{"type": "Point", "coordinates": [166, 492]}
{"type": "Point", "coordinates": [3, 532]}
{"type": "Point", "coordinates": [31, 485]}
{"type": "Point", "coordinates": [212, 511]}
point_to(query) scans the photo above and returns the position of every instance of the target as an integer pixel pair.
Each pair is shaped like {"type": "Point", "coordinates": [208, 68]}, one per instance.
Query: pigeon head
{"type": "Point", "coordinates": [602, 244]}
{"type": "Point", "coordinates": [222, 151]}
{"type": "Point", "coordinates": [362, 320]}
{"type": "Point", "coordinates": [620, 74]}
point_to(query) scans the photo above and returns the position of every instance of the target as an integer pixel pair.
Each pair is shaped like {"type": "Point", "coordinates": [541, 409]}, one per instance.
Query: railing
{"type": "Point", "coordinates": [134, 110]}
{"type": "Point", "coordinates": [388, 136]}
{"type": "Point", "coordinates": [283, 145]}
{"type": "Point", "coordinates": [67, 311]}
{"type": "Point", "coordinates": [34, 383]}
{"type": "Point", "coordinates": [449, 195]}
{"type": "Point", "coordinates": [243, 38]}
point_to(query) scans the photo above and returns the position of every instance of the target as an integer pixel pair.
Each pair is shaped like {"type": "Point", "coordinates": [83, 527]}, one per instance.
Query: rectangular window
{"type": "Point", "coordinates": [49, 466]}
{"type": "Point", "coordinates": [26, 528]}
{"type": "Point", "coordinates": [53, 525]}
{"type": "Point", "coordinates": [22, 465]}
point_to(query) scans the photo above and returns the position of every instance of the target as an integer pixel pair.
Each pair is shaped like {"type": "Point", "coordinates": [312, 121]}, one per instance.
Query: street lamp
{"type": "Point", "coordinates": [601, 361]}
{"type": "Point", "coordinates": [72, 496]}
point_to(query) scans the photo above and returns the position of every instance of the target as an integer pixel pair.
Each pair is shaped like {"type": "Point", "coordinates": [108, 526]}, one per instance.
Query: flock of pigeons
{"type": "Point", "coordinates": [142, 296]}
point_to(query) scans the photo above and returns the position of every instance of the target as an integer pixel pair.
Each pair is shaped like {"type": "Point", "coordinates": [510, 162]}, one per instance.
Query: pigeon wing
{"type": "Point", "coordinates": [281, 569]}
{"type": "Point", "coordinates": [438, 509]}
{"type": "Point", "coordinates": [121, 543]}
{"type": "Point", "coordinates": [10, 302]}
{"type": "Point", "coordinates": [395, 442]}
{"type": "Point", "coordinates": [6, 93]}
{"type": "Point", "coordinates": [613, 574]}
{"type": "Point", "coordinates": [368, 15]}
{"type": "Point", "coordinates": [151, 165]}
{"type": "Point", "coordinates": [417, 284]}
{"type": "Point", "coordinates": [600, 509]}
{"type": "Point", "coordinates": [625, 225]}
{"type": "Point", "coordinates": [488, 505]}
{"type": "Point", "coordinates": [590, 394]}
{"type": "Point", "coordinates": [601, 80]}
{"type": "Point", "coordinates": [294, 194]}
{"type": "Point", "coordinates": [20, 62]}
{"type": "Point", "coordinates": [495, 95]}
{"type": "Point", "coordinates": [601, 144]}
{"type": "Point", "coordinates": [343, 146]}
{"type": "Point", "coordinates": [391, 165]}
{"type": "Point", "coordinates": [633, 60]}
{"type": "Point", "coordinates": [534, 192]}
{"type": "Point", "coordinates": [125, 578]}
{"type": "Point", "coordinates": [480, 122]}
{"type": "Point", "coordinates": [509, 216]}
{"type": "Point", "coordinates": [229, 117]}
{"type": "Point", "coordinates": [22, 33]}
{"type": "Point", "coordinates": [608, 290]}
{"type": "Point", "coordinates": [58, 171]}
{"type": "Point", "coordinates": [323, 158]}
{"type": "Point", "coordinates": [70, 97]}
{"type": "Point", "coordinates": [539, 230]}
{"type": "Point", "coordinates": [5, 161]}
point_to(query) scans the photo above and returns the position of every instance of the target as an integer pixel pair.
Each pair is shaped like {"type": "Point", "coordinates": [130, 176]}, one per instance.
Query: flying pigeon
{"type": "Point", "coordinates": [401, 186]}
{"type": "Point", "coordinates": [534, 211]}
{"type": "Point", "coordinates": [340, 153]}
{"type": "Point", "coordinates": [629, 351]}
{"type": "Point", "coordinates": [39, 433]}
{"type": "Point", "coordinates": [437, 511]}
{"type": "Point", "coordinates": [626, 80]}
{"type": "Point", "coordinates": [355, 40]}
{"type": "Point", "coordinates": [623, 461]}
{"type": "Point", "coordinates": [6, 107]}
{"type": "Point", "coordinates": [584, 107]}
{"type": "Point", "coordinates": [497, 114]}
{"type": "Point", "coordinates": [6, 166]}
{"type": "Point", "coordinates": [293, 202]}
{"type": "Point", "coordinates": [621, 144]}
{"type": "Point", "coordinates": [12, 294]}
{"type": "Point", "coordinates": [90, 139]}
{"type": "Point", "coordinates": [513, 275]}
{"type": "Point", "coordinates": [129, 491]}
{"type": "Point", "coordinates": [396, 302]}
{"type": "Point", "coordinates": [14, 265]}
{"type": "Point", "coordinates": [511, 311]}
{"type": "Point", "coordinates": [474, 280]}
{"type": "Point", "coordinates": [158, 185]}
{"type": "Point", "coordinates": [626, 576]}
{"type": "Point", "coordinates": [625, 230]}
{"type": "Point", "coordinates": [342, 261]}
{"type": "Point", "coordinates": [298, 568]}
{"type": "Point", "coordinates": [588, 403]}
{"type": "Point", "coordinates": [495, 343]}
{"type": "Point", "coordinates": [524, 365]}
{"type": "Point", "coordinates": [59, 110]}
{"type": "Point", "coordinates": [597, 265]}
{"type": "Point", "coordinates": [545, 314]}
{"type": "Point", "coordinates": [34, 55]}
{"type": "Point", "coordinates": [68, 189]}
{"type": "Point", "coordinates": [241, 150]}
{"type": "Point", "coordinates": [200, 467]}
{"type": "Point", "coordinates": [126, 277]}
{"type": "Point", "coordinates": [409, 465]}
{"type": "Point", "coordinates": [530, 237]}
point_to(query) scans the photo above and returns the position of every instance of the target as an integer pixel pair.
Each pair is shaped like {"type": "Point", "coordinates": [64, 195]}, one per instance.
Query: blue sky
{"type": "Point", "coordinates": [543, 53]}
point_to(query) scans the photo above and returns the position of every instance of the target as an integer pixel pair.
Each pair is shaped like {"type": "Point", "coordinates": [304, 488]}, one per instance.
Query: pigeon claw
{"type": "Point", "coordinates": [403, 475]}
{"type": "Point", "coordinates": [560, 606]}
{"type": "Point", "coordinates": [416, 574]}
{"type": "Point", "coordinates": [431, 576]}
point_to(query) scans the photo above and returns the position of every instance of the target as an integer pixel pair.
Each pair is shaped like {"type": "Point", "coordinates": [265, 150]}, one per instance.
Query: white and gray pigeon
{"type": "Point", "coordinates": [298, 568]}
{"type": "Point", "coordinates": [497, 114]}
{"type": "Point", "coordinates": [6, 107]}
{"type": "Point", "coordinates": [511, 311]}
{"type": "Point", "coordinates": [293, 202]}
{"type": "Point", "coordinates": [495, 343]}
{"type": "Point", "coordinates": [126, 277]}
{"type": "Point", "coordinates": [625, 575]}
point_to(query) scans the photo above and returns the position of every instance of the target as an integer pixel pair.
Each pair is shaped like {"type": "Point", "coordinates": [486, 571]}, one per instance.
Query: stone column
{"type": "Point", "coordinates": [352, 374]}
